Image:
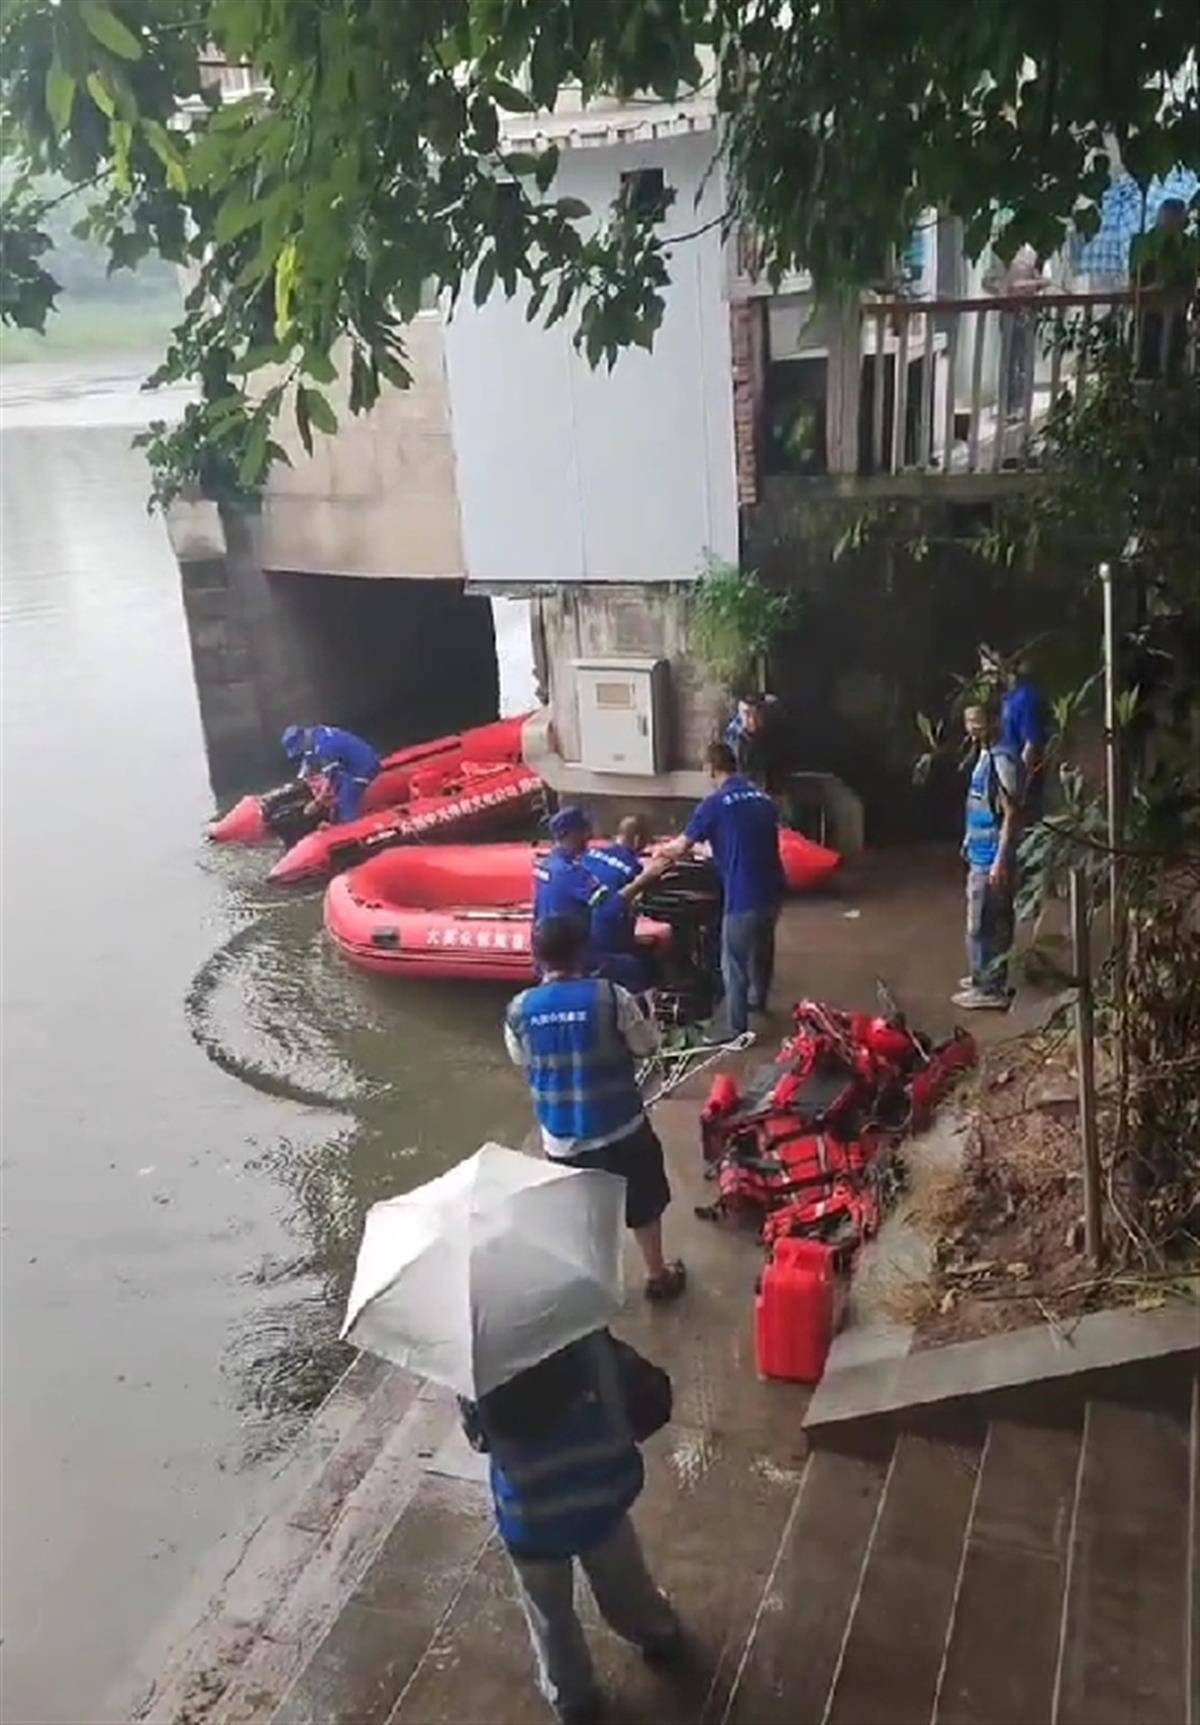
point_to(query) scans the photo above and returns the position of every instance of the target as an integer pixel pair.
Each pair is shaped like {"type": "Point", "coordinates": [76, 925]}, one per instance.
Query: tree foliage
{"type": "Point", "coordinates": [735, 620]}
{"type": "Point", "coordinates": [374, 161]}
{"type": "Point", "coordinates": [1120, 478]}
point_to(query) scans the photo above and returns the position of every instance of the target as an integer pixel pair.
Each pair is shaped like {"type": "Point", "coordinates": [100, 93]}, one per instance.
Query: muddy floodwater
{"type": "Point", "coordinates": [199, 1099]}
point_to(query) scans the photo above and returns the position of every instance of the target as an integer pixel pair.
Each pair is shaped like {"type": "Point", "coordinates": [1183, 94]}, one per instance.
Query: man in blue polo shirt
{"type": "Point", "coordinates": [1023, 735]}
{"type": "Point", "coordinates": [741, 824]}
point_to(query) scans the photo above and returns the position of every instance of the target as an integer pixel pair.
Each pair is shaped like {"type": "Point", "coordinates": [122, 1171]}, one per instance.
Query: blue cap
{"type": "Point", "coordinates": [293, 742]}
{"type": "Point", "coordinates": [572, 819]}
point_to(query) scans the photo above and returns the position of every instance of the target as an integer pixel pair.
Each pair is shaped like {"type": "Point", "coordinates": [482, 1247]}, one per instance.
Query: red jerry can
{"type": "Point", "coordinates": [796, 1311]}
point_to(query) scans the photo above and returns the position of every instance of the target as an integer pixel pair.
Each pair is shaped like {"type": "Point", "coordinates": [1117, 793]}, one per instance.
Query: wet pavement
{"type": "Point", "coordinates": [390, 1600]}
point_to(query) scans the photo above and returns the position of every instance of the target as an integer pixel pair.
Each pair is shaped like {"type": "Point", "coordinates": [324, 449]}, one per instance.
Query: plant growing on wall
{"type": "Point", "coordinates": [735, 618]}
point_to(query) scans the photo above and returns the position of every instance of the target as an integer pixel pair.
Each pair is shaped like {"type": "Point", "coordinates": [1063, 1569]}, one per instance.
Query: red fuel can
{"type": "Point", "coordinates": [797, 1310]}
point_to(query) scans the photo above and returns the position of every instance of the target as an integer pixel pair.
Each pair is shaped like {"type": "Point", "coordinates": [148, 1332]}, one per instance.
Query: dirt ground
{"type": "Point", "coordinates": [1009, 1225]}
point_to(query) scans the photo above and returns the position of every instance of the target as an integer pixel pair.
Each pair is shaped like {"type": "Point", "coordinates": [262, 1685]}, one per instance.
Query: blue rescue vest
{"type": "Point", "coordinates": [567, 1491]}
{"type": "Point", "coordinates": [985, 811]}
{"type": "Point", "coordinates": [580, 1068]}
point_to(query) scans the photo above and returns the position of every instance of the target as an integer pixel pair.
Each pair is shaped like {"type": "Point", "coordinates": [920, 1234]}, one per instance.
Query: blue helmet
{"type": "Point", "coordinates": [572, 819]}
{"type": "Point", "coordinates": [293, 742]}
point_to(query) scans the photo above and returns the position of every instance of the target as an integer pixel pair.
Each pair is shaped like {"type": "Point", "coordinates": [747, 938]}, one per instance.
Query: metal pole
{"type": "Point", "coordinates": [1085, 1051]}
{"type": "Point", "coordinates": [1112, 757]}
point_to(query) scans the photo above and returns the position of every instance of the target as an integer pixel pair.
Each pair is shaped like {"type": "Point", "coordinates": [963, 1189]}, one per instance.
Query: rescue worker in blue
{"type": "Point", "coordinates": [1024, 734]}
{"type": "Point", "coordinates": [990, 853]}
{"type": "Point", "coordinates": [740, 823]}
{"type": "Point", "coordinates": [578, 1039]}
{"type": "Point", "coordinates": [615, 864]}
{"type": "Point", "coordinates": [564, 1471]}
{"type": "Point", "coordinates": [346, 761]}
{"type": "Point", "coordinates": [593, 885]}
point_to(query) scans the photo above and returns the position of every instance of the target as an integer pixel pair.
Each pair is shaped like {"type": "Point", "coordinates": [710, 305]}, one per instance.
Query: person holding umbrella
{"type": "Point", "coordinates": [498, 1279]}
{"type": "Point", "coordinates": [565, 1471]}
{"type": "Point", "coordinates": [577, 1037]}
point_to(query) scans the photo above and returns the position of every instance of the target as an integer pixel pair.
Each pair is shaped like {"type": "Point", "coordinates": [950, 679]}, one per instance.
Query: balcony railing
{"type": "Point", "coordinates": [964, 386]}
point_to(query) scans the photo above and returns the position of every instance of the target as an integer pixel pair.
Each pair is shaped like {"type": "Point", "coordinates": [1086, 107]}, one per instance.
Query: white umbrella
{"type": "Point", "coordinates": [488, 1269]}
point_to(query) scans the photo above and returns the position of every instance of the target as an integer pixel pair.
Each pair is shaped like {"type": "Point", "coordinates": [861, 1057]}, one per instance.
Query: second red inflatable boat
{"type": "Point", "coordinates": [465, 910]}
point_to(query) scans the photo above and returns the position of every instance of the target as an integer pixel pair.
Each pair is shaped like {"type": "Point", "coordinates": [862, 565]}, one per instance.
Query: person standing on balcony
{"type": "Point", "coordinates": [990, 853]}
{"type": "Point", "coordinates": [1164, 262]}
{"type": "Point", "coordinates": [1020, 279]}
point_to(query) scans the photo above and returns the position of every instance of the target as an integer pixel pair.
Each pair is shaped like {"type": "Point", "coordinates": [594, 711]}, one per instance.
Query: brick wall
{"type": "Point", "coordinates": [746, 338]}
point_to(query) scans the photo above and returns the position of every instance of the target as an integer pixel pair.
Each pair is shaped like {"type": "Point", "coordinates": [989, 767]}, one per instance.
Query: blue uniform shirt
{"type": "Point", "coordinates": [333, 748]}
{"type": "Point", "coordinates": [1022, 718]}
{"type": "Point", "coordinates": [563, 886]}
{"type": "Point", "coordinates": [614, 921]}
{"type": "Point", "coordinates": [995, 771]}
{"type": "Point", "coordinates": [741, 823]}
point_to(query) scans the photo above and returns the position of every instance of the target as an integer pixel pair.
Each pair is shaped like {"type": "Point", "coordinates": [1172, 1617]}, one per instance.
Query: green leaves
{"type": "Point", "coordinates": [735, 619]}
{"type": "Point", "coordinates": [514, 101]}
{"type": "Point", "coordinates": [108, 30]}
{"type": "Point", "coordinates": [98, 89]}
{"type": "Point", "coordinates": [167, 151]}
{"type": "Point", "coordinates": [313, 409]}
{"type": "Point", "coordinates": [485, 278]}
{"type": "Point", "coordinates": [486, 123]}
{"type": "Point", "coordinates": [60, 94]}
{"type": "Point", "coordinates": [235, 215]}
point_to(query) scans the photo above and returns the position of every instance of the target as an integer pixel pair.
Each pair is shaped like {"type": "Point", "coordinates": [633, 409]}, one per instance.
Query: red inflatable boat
{"type": "Point", "coordinates": [443, 910]}
{"type": "Point", "coordinates": [464, 910]}
{"type": "Point", "coordinates": [415, 771]}
{"type": "Point", "coordinates": [473, 799]}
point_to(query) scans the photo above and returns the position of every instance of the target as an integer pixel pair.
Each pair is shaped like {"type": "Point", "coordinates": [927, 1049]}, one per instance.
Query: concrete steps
{"type": "Point", "coordinates": [361, 1465]}
{"type": "Point", "coordinates": [1023, 1565]}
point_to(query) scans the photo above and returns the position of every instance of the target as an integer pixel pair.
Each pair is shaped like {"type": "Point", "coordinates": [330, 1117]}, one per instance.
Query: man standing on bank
{"type": "Point", "coordinates": [990, 853]}
{"type": "Point", "coordinates": [741, 824]}
{"type": "Point", "coordinates": [577, 1039]}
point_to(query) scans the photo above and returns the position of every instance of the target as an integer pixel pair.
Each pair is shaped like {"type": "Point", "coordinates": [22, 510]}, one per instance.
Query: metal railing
{"type": "Point", "coordinates": [949, 386]}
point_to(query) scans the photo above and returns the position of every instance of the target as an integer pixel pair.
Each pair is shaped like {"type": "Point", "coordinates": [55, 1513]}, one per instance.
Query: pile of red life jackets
{"type": "Point", "coordinates": [807, 1148]}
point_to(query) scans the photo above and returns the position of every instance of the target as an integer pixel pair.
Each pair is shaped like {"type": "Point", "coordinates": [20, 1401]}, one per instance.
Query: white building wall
{"type": "Point", "coordinates": [569, 474]}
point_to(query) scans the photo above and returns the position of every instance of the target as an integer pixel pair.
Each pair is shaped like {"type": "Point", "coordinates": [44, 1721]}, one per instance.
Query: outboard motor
{"type": "Point", "coordinates": [284, 811]}
{"type": "Point", "coordinates": [688, 899]}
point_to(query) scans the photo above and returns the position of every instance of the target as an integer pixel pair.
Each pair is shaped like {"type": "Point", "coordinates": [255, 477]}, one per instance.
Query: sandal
{"type": "Point", "coordinates": [669, 1285]}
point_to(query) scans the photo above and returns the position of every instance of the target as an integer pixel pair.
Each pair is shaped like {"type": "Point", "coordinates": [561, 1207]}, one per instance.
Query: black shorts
{"type": "Point", "coordinates": [638, 1160]}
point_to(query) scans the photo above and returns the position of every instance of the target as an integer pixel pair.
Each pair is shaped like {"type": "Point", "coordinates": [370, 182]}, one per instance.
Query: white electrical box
{"type": "Point", "coordinates": [623, 714]}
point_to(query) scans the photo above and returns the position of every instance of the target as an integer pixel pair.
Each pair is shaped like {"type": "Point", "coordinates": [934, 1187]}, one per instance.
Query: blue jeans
{"type": "Point", "coordinates": [747, 963]}
{"type": "Point", "coordinates": [348, 794]}
{"type": "Point", "coordinates": [991, 927]}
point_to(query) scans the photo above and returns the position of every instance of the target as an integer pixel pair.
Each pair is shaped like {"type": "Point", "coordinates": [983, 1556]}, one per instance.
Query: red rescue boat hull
{"type": "Point", "coordinates": [394, 783]}
{"type": "Point", "coordinates": [437, 910]}
{"type": "Point", "coordinates": [462, 911]}
{"type": "Point", "coordinates": [476, 799]}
